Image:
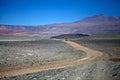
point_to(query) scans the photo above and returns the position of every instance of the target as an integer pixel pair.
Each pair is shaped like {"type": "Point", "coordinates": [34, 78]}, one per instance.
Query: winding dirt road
{"type": "Point", "coordinates": [88, 57]}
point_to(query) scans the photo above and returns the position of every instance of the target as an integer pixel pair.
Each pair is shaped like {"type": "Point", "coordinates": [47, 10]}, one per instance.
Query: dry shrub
{"type": "Point", "coordinates": [115, 59]}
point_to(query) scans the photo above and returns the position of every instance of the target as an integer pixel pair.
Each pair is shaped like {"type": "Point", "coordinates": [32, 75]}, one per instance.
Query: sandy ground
{"type": "Point", "coordinates": [90, 55]}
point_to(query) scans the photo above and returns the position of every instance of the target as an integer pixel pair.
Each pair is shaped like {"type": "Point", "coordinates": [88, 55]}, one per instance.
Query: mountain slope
{"type": "Point", "coordinates": [101, 18]}
{"type": "Point", "coordinates": [98, 24]}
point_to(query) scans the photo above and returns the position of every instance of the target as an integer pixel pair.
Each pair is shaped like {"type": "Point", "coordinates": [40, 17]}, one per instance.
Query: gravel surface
{"type": "Point", "coordinates": [30, 52]}
{"type": "Point", "coordinates": [99, 70]}
{"type": "Point", "coordinates": [109, 46]}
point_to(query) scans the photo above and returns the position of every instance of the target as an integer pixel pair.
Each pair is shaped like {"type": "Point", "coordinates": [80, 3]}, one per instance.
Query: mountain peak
{"type": "Point", "coordinates": [100, 18]}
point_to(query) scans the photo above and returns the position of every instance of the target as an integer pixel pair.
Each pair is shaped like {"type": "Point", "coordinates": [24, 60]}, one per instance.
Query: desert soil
{"type": "Point", "coordinates": [91, 55]}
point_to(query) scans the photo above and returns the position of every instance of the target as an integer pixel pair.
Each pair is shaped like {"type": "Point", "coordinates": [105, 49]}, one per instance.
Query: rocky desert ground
{"type": "Point", "coordinates": [88, 58]}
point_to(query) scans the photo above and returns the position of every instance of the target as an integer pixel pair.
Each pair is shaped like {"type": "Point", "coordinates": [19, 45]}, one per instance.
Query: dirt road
{"type": "Point", "coordinates": [88, 57]}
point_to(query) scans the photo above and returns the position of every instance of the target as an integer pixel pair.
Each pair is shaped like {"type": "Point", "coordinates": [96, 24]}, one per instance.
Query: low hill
{"type": "Point", "coordinates": [69, 36]}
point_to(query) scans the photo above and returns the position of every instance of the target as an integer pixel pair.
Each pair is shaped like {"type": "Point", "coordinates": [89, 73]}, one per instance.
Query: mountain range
{"type": "Point", "coordinates": [93, 25]}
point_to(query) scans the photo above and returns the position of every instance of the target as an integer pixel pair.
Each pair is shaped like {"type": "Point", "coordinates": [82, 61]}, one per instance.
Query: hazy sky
{"type": "Point", "coordinates": [36, 12]}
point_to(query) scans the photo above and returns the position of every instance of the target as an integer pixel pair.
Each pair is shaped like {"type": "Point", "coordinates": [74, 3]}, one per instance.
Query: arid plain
{"type": "Point", "coordinates": [85, 58]}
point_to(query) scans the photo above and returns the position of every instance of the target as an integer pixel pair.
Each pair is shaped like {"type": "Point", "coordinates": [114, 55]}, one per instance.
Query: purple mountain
{"type": "Point", "coordinates": [98, 24]}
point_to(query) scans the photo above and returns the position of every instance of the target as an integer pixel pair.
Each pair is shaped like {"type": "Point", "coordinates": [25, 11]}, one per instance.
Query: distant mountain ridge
{"type": "Point", "coordinates": [93, 25]}
{"type": "Point", "coordinates": [101, 18]}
